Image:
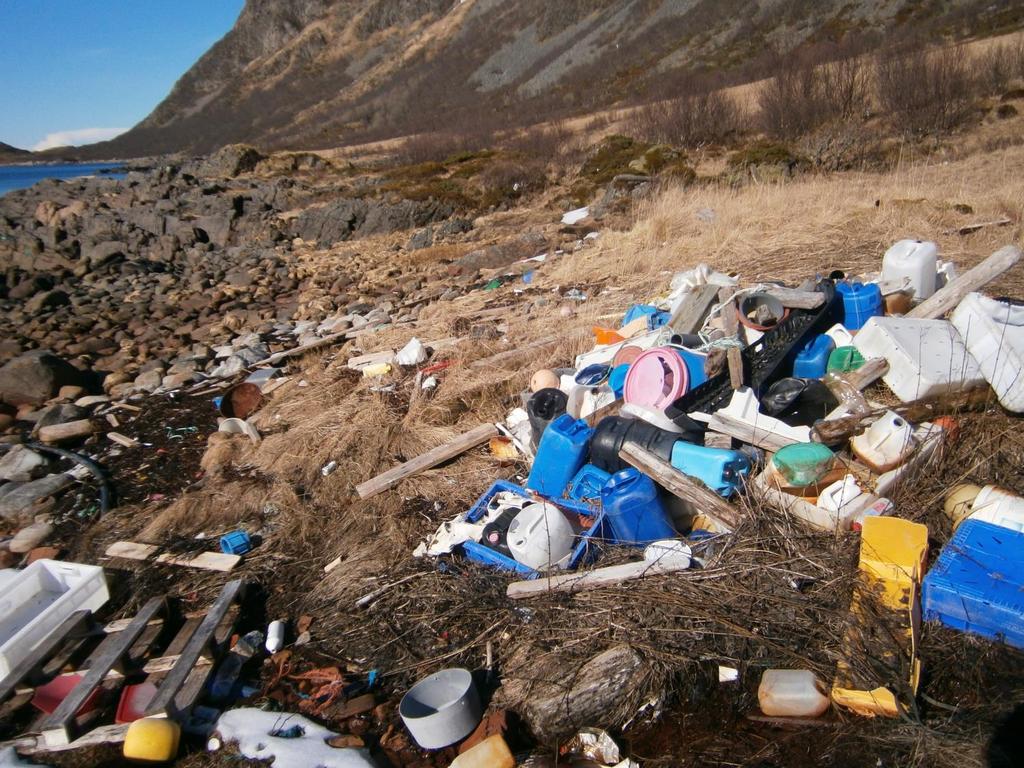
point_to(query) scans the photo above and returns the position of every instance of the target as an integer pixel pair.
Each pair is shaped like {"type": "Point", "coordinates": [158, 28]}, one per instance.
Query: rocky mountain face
{"type": "Point", "coordinates": [317, 73]}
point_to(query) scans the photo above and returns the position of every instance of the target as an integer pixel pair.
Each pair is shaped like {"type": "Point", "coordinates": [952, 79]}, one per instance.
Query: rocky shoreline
{"type": "Point", "coordinates": [194, 269]}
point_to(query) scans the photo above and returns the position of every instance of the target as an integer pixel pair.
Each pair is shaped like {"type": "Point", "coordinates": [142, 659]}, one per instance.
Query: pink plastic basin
{"type": "Point", "coordinates": [656, 378]}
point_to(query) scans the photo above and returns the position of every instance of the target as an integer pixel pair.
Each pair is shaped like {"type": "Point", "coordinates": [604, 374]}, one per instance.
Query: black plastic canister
{"type": "Point", "coordinates": [543, 407]}
{"type": "Point", "coordinates": [613, 432]}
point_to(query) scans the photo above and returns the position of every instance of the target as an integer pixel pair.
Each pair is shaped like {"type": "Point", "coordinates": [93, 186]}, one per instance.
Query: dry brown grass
{"type": "Point", "coordinates": [813, 224]}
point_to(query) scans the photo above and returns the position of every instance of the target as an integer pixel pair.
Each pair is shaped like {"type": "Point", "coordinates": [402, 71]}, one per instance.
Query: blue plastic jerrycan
{"type": "Point", "coordinates": [720, 469]}
{"type": "Point", "coordinates": [562, 451]}
{"type": "Point", "coordinates": [633, 510]}
{"type": "Point", "coordinates": [812, 361]}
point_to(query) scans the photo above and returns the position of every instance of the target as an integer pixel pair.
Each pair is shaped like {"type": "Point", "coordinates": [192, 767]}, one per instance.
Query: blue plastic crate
{"type": "Point", "coordinates": [583, 552]}
{"type": "Point", "coordinates": [977, 584]}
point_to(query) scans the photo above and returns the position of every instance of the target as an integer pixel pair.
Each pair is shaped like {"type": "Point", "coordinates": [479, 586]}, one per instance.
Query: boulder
{"type": "Point", "coordinates": [21, 464]}
{"type": "Point", "coordinates": [19, 501]}
{"type": "Point", "coordinates": [35, 377]}
{"type": "Point", "coordinates": [99, 254]}
{"type": "Point", "coordinates": [47, 300]}
{"type": "Point", "coordinates": [230, 161]}
{"type": "Point", "coordinates": [59, 414]}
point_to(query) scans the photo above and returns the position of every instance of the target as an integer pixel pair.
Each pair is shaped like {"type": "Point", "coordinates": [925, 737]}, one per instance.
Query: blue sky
{"type": "Point", "coordinates": [78, 70]}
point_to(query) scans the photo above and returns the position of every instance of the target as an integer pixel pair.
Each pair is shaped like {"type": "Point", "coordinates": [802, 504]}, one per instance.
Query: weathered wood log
{"type": "Point", "coordinates": [556, 696]}
{"type": "Point", "coordinates": [580, 581]}
{"type": "Point", "coordinates": [731, 325]}
{"type": "Point", "coordinates": [946, 298]}
{"type": "Point", "coordinates": [425, 461]}
{"type": "Point", "coordinates": [833, 431]}
{"type": "Point", "coordinates": [703, 499]}
{"type": "Point", "coordinates": [794, 298]}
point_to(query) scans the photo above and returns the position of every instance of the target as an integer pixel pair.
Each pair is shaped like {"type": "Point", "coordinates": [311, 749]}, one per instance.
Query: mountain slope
{"type": "Point", "coordinates": [317, 73]}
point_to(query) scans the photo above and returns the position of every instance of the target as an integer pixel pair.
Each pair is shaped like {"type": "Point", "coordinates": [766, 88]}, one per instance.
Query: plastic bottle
{"type": "Point", "coordinates": [227, 675]}
{"type": "Point", "coordinates": [791, 693]}
{"type": "Point", "coordinates": [275, 636]}
{"type": "Point", "coordinates": [633, 510]}
{"type": "Point", "coordinates": [847, 394]}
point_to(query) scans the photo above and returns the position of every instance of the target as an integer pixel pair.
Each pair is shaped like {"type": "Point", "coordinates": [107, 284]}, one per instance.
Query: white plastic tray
{"type": "Point", "coordinates": [38, 599]}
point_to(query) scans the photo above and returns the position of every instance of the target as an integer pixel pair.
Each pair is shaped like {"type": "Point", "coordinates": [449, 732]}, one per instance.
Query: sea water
{"type": "Point", "coordinates": [22, 176]}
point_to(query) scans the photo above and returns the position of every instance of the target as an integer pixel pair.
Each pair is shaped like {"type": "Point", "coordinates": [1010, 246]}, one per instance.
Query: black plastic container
{"type": "Point", "coordinates": [545, 406]}
{"type": "Point", "coordinates": [613, 432]}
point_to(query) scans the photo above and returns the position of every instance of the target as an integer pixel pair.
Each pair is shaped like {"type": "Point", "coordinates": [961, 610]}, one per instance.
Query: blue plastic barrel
{"type": "Point", "coordinates": [632, 509]}
{"type": "Point", "coordinates": [812, 361]}
{"type": "Point", "coordinates": [860, 302]}
{"type": "Point", "coordinates": [562, 451]}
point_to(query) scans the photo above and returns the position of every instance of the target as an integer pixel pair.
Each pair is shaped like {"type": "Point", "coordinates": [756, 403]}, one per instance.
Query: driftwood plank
{"type": "Point", "coordinates": [425, 461]}
{"type": "Point", "coordinates": [947, 297]}
{"type": "Point", "coordinates": [162, 702]}
{"type": "Point", "coordinates": [689, 316]}
{"type": "Point", "coordinates": [58, 727]}
{"type": "Point", "coordinates": [704, 500]}
{"type": "Point", "coordinates": [41, 653]}
{"type": "Point", "coordinates": [207, 561]}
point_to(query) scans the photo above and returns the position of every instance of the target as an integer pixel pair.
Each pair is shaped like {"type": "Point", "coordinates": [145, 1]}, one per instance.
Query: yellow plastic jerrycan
{"type": "Point", "coordinates": [152, 740]}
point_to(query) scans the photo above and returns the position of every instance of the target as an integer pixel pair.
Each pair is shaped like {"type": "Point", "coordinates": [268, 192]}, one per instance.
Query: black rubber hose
{"type": "Point", "coordinates": [106, 496]}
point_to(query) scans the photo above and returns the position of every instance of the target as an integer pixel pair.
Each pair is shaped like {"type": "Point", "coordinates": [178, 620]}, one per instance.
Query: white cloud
{"type": "Point", "coordinates": [76, 137]}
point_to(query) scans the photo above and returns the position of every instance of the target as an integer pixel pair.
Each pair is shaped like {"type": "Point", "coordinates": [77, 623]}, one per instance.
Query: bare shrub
{"type": "Point", "coordinates": [997, 66]}
{"type": "Point", "coordinates": [925, 91]}
{"type": "Point", "coordinates": [542, 143]}
{"type": "Point", "coordinates": [695, 119]}
{"type": "Point", "coordinates": [438, 146]}
{"type": "Point", "coordinates": [506, 181]}
{"type": "Point", "coordinates": [806, 93]}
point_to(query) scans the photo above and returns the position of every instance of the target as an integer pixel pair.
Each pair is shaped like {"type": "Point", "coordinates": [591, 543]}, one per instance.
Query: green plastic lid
{"type": "Point", "coordinates": [803, 464]}
{"type": "Point", "coordinates": [844, 359]}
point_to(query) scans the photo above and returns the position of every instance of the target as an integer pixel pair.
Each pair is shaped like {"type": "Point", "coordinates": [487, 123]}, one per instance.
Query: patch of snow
{"type": "Point", "coordinates": [251, 729]}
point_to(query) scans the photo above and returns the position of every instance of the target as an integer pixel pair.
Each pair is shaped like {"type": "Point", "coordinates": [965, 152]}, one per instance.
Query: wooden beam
{"type": "Point", "coordinates": [690, 314]}
{"type": "Point", "coordinates": [704, 500]}
{"type": "Point", "coordinates": [946, 298]}
{"type": "Point", "coordinates": [731, 325]}
{"type": "Point", "coordinates": [162, 703]}
{"type": "Point", "coordinates": [58, 727]}
{"type": "Point", "coordinates": [38, 655]}
{"type": "Point", "coordinates": [592, 579]}
{"type": "Point", "coordinates": [425, 461]}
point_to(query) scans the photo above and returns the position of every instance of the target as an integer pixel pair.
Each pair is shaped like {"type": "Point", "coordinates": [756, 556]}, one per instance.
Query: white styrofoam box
{"type": "Point", "coordinates": [926, 357]}
{"type": "Point", "coordinates": [36, 601]}
{"type": "Point", "coordinates": [994, 334]}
